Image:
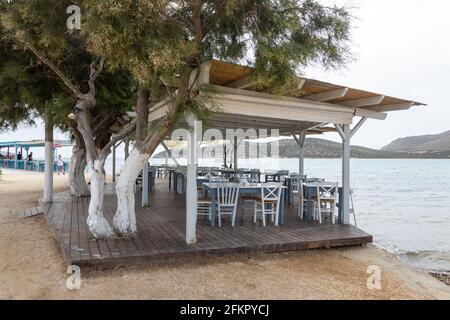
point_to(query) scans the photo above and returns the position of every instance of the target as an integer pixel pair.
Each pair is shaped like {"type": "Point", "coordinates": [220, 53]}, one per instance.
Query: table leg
{"type": "Point", "coordinates": [282, 206]}
{"type": "Point", "coordinates": [309, 206]}
{"type": "Point", "coordinates": [213, 206]}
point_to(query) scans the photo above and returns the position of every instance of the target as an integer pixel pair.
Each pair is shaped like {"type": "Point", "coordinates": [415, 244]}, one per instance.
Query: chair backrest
{"type": "Point", "coordinates": [270, 192]}
{"type": "Point", "coordinates": [296, 180]}
{"type": "Point", "coordinates": [250, 180]}
{"type": "Point", "coordinates": [219, 180]}
{"type": "Point", "coordinates": [228, 194]}
{"type": "Point", "coordinates": [327, 190]}
{"type": "Point", "coordinates": [255, 173]}
{"type": "Point", "coordinates": [314, 180]}
{"type": "Point", "coordinates": [281, 174]}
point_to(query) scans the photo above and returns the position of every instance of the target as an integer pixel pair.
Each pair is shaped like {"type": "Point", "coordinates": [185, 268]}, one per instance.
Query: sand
{"type": "Point", "coordinates": [31, 267]}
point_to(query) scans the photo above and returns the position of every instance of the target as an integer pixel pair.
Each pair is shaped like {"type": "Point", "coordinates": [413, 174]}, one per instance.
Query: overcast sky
{"type": "Point", "coordinates": [402, 49]}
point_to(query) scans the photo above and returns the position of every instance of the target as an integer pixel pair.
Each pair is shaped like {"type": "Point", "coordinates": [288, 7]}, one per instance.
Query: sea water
{"type": "Point", "coordinates": [404, 204]}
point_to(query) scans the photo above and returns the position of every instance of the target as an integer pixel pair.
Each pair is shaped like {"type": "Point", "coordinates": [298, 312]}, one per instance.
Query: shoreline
{"type": "Point", "coordinates": [32, 267]}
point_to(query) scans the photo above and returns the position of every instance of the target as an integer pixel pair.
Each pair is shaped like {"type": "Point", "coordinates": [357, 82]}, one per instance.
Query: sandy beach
{"type": "Point", "coordinates": [31, 266]}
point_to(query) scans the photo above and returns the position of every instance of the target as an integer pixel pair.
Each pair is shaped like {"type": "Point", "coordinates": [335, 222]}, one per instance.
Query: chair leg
{"type": "Point", "coordinates": [320, 212]}
{"type": "Point", "coordinates": [333, 218]}
{"type": "Point", "coordinates": [264, 215]}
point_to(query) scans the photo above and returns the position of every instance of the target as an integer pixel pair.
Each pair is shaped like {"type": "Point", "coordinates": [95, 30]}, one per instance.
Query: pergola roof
{"type": "Point", "coordinates": [240, 77]}
{"type": "Point", "coordinates": [243, 103]}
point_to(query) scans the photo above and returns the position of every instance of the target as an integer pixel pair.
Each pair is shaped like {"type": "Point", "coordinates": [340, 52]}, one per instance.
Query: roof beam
{"type": "Point", "coordinates": [243, 83]}
{"type": "Point", "coordinates": [295, 89]}
{"type": "Point", "coordinates": [327, 96]}
{"type": "Point", "coordinates": [372, 114]}
{"type": "Point", "coordinates": [363, 102]}
{"type": "Point", "coordinates": [394, 107]}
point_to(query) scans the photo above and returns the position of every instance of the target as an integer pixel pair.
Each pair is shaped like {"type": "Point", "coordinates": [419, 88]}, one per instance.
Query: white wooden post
{"type": "Point", "coordinates": [191, 184]}
{"type": "Point", "coordinates": [301, 152]}
{"type": "Point", "coordinates": [235, 152]}
{"type": "Point", "coordinates": [346, 134]}
{"type": "Point", "coordinates": [145, 201]}
{"type": "Point", "coordinates": [15, 159]}
{"type": "Point", "coordinates": [346, 175]}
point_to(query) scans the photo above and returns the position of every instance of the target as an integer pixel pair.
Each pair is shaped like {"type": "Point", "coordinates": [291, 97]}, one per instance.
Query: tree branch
{"type": "Point", "coordinates": [56, 70]}
{"type": "Point", "coordinates": [95, 73]}
{"type": "Point", "coordinates": [114, 139]}
{"type": "Point", "coordinates": [102, 123]}
{"type": "Point", "coordinates": [196, 15]}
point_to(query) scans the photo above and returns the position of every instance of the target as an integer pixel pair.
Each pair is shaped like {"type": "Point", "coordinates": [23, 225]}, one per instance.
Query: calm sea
{"type": "Point", "coordinates": [404, 204]}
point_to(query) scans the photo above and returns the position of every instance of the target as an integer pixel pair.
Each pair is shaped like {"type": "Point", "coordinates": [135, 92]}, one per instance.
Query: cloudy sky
{"type": "Point", "coordinates": [402, 49]}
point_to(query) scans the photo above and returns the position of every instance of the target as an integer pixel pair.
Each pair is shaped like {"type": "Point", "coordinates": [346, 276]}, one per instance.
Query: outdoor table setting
{"type": "Point", "coordinates": [244, 188]}
{"type": "Point", "coordinates": [310, 191]}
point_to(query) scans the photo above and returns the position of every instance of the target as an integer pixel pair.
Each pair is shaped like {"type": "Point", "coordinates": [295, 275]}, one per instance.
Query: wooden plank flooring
{"type": "Point", "coordinates": [161, 233]}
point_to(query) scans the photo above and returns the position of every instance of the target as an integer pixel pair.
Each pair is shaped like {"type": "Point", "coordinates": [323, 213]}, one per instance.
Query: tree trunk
{"type": "Point", "coordinates": [96, 222]}
{"type": "Point", "coordinates": [48, 180]}
{"type": "Point", "coordinates": [125, 219]}
{"type": "Point", "coordinates": [77, 180]}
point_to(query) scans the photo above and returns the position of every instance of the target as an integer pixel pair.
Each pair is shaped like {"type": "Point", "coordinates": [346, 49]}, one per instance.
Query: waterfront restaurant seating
{"type": "Point", "coordinates": [280, 175]}
{"type": "Point", "coordinates": [227, 199]}
{"type": "Point", "coordinates": [248, 197]}
{"type": "Point", "coordinates": [325, 200]}
{"type": "Point", "coordinates": [268, 203]}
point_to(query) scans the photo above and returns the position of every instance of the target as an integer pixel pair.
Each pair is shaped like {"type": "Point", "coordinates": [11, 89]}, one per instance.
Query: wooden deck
{"type": "Point", "coordinates": [161, 233]}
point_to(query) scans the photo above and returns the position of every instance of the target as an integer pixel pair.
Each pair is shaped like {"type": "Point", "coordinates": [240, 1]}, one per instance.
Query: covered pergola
{"type": "Point", "coordinates": [311, 107]}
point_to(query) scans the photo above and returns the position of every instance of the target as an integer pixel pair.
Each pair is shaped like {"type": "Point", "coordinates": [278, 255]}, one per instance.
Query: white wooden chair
{"type": "Point", "coordinates": [302, 201]}
{"type": "Point", "coordinates": [227, 199]}
{"type": "Point", "coordinates": [326, 199]}
{"type": "Point", "coordinates": [268, 203]}
{"type": "Point", "coordinates": [248, 197]}
{"type": "Point", "coordinates": [204, 207]}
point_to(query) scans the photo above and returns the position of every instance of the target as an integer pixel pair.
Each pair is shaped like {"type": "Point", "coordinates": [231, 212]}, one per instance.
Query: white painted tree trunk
{"type": "Point", "coordinates": [77, 180]}
{"type": "Point", "coordinates": [125, 217]}
{"type": "Point", "coordinates": [96, 222]}
{"type": "Point", "coordinates": [48, 165]}
{"type": "Point", "coordinates": [48, 169]}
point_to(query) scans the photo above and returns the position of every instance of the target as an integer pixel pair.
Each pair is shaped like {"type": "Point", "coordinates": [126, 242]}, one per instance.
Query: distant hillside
{"type": "Point", "coordinates": [321, 148]}
{"type": "Point", "coordinates": [436, 143]}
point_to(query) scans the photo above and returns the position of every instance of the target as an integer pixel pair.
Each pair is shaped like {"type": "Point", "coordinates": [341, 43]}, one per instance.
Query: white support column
{"type": "Point", "coordinates": [191, 183]}
{"type": "Point", "coordinates": [15, 158]}
{"type": "Point", "coordinates": [235, 152]}
{"type": "Point", "coordinates": [301, 153]}
{"type": "Point", "coordinates": [345, 219]}
{"type": "Point", "coordinates": [145, 190]}
{"type": "Point", "coordinates": [346, 134]}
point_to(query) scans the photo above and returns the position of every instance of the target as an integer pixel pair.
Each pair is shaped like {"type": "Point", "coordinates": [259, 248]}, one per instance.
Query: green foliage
{"type": "Point", "coordinates": [145, 41]}
{"type": "Point", "coordinates": [28, 85]}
